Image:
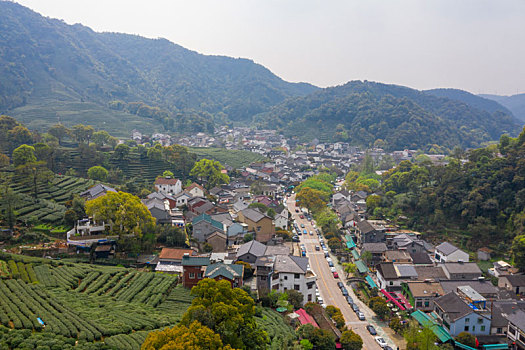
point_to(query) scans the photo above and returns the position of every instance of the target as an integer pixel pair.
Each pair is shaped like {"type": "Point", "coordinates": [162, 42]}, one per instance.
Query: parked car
{"type": "Point", "coordinates": [326, 254]}
{"type": "Point", "coordinates": [340, 285]}
{"type": "Point", "coordinates": [349, 300]}
{"type": "Point", "coordinates": [382, 343]}
{"type": "Point", "coordinates": [311, 233]}
{"type": "Point", "coordinates": [295, 238]}
{"type": "Point", "coordinates": [345, 292]}
{"type": "Point", "coordinates": [296, 210]}
{"type": "Point", "coordinates": [301, 216]}
{"type": "Point", "coordinates": [302, 225]}
{"type": "Point", "coordinates": [320, 300]}
{"type": "Point", "coordinates": [371, 329]}
{"type": "Point", "coordinates": [388, 348]}
{"type": "Point", "coordinates": [333, 269]}
{"type": "Point", "coordinates": [355, 308]}
{"type": "Point", "coordinates": [361, 316]}
{"type": "Point", "coordinates": [331, 264]}
{"type": "Point", "coordinates": [329, 259]}
{"type": "Point", "coordinates": [336, 275]}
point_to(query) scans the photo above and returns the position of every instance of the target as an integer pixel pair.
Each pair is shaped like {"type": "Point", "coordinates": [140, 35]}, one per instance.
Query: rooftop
{"type": "Point", "coordinates": [453, 305]}
{"type": "Point", "coordinates": [423, 289]}
{"type": "Point", "coordinates": [166, 181]}
{"type": "Point", "coordinates": [446, 248]}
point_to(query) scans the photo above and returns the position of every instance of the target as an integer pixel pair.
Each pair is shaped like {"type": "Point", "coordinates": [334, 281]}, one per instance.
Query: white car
{"type": "Point", "coordinates": [333, 269]}
{"type": "Point", "coordinates": [329, 259]}
{"type": "Point", "coordinates": [320, 300]}
{"type": "Point", "coordinates": [382, 343]}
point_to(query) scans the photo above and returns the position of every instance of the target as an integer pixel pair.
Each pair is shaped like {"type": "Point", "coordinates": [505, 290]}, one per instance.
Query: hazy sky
{"type": "Point", "coordinates": [476, 45]}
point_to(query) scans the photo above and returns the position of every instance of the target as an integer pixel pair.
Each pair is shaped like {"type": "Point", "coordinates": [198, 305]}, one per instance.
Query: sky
{"type": "Point", "coordinates": [474, 45]}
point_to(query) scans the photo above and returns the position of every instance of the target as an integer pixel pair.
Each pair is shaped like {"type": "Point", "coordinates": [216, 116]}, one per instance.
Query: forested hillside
{"type": "Point", "coordinates": [472, 100]}
{"type": "Point", "coordinates": [483, 198]}
{"type": "Point", "coordinates": [515, 103]}
{"type": "Point", "coordinates": [391, 116]}
{"type": "Point", "coordinates": [44, 60]}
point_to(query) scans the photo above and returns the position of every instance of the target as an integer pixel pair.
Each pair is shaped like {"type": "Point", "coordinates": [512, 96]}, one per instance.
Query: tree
{"type": "Point", "coordinates": [83, 133]}
{"type": "Point", "coordinates": [380, 307]}
{"type": "Point", "coordinates": [396, 325]}
{"type": "Point", "coordinates": [209, 172]}
{"type": "Point", "coordinates": [181, 337]}
{"type": "Point", "coordinates": [100, 138]}
{"type": "Point", "coordinates": [247, 238]}
{"type": "Point", "coordinates": [248, 271]}
{"type": "Point", "coordinates": [98, 173]}
{"type": "Point", "coordinates": [8, 199]}
{"type": "Point", "coordinates": [19, 135]}
{"type": "Point", "coordinates": [227, 311]}
{"type": "Point", "coordinates": [121, 151]}
{"type": "Point", "coordinates": [34, 175]}
{"type": "Point", "coordinates": [124, 212]}
{"type": "Point", "coordinates": [260, 206]}
{"type": "Point", "coordinates": [306, 344]}
{"type": "Point", "coordinates": [351, 340]}
{"type": "Point", "coordinates": [366, 256]}
{"type": "Point", "coordinates": [349, 268]}
{"type": "Point", "coordinates": [518, 251]}
{"type": "Point", "coordinates": [59, 131]}
{"type": "Point", "coordinates": [167, 174]}
{"type": "Point", "coordinates": [4, 160]}
{"type": "Point", "coordinates": [171, 236]}
{"type": "Point", "coordinates": [295, 298]}
{"type": "Point", "coordinates": [24, 154]}
{"type": "Point", "coordinates": [466, 338]}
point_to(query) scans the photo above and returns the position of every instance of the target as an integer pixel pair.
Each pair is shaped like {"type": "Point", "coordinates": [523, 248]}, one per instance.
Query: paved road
{"type": "Point", "coordinates": [328, 288]}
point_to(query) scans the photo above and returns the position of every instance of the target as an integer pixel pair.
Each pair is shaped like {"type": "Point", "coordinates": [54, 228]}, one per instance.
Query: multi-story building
{"type": "Point", "coordinates": [292, 273]}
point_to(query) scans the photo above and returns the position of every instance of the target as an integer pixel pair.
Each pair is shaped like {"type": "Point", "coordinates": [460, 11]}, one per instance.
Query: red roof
{"type": "Point", "coordinates": [305, 318]}
{"type": "Point", "coordinates": [174, 253]}
{"type": "Point", "coordinates": [166, 181]}
{"type": "Point", "coordinates": [193, 185]}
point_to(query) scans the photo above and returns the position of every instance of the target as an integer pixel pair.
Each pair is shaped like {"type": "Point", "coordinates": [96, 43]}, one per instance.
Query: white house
{"type": "Point", "coordinates": [182, 199]}
{"type": "Point", "coordinates": [281, 219]}
{"type": "Point", "coordinates": [167, 185]}
{"type": "Point", "coordinates": [292, 273]}
{"type": "Point", "coordinates": [446, 252]}
{"type": "Point", "coordinates": [195, 190]}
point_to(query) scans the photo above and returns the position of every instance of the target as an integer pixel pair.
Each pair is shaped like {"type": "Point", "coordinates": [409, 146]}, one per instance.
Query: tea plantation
{"type": "Point", "coordinates": [101, 306]}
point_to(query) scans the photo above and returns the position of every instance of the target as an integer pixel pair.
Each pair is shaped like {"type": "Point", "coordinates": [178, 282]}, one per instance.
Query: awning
{"type": "Point", "coordinates": [361, 267]}
{"type": "Point", "coordinates": [355, 254]}
{"type": "Point", "coordinates": [426, 321]}
{"type": "Point", "coordinates": [370, 282]}
{"type": "Point", "coordinates": [496, 346]}
{"type": "Point", "coordinates": [349, 242]}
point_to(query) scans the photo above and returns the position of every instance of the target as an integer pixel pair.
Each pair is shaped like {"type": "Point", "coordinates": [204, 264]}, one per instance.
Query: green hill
{"type": "Point", "coordinates": [515, 103]}
{"type": "Point", "coordinates": [363, 112]}
{"type": "Point", "coordinates": [45, 62]}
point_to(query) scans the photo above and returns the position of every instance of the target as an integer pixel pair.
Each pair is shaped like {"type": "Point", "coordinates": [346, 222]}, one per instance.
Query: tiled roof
{"type": "Point", "coordinates": [254, 247]}
{"type": "Point", "coordinates": [253, 214]}
{"type": "Point", "coordinates": [446, 248]}
{"type": "Point", "coordinates": [166, 181]}
{"type": "Point", "coordinates": [229, 271]}
{"type": "Point", "coordinates": [195, 261]}
{"type": "Point", "coordinates": [453, 305]}
{"type": "Point", "coordinates": [290, 264]}
{"type": "Point", "coordinates": [374, 247]}
{"type": "Point", "coordinates": [174, 253]}
{"type": "Point", "coordinates": [208, 218]}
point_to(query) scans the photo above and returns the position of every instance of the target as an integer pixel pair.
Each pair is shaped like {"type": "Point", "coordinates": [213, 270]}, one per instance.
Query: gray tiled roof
{"type": "Point", "coordinates": [253, 214]}
{"type": "Point", "coordinates": [482, 287]}
{"type": "Point", "coordinates": [387, 270]}
{"type": "Point", "coordinates": [405, 270]}
{"type": "Point", "coordinates": [290, 264]}
{"type": "Point", "coordinates": [446, 248]}
{"type": "Point", "coordinates": [221, 269]}
{"type": "Point", "coordinates": [517, 318]}
{"type": "Point", "coordinates": [254, 247]}
{"type": "Point", "coordinates": [457, 267]}
{"type": "Point", "coordinates": [374, 247]}
{"type": "Point", "coordinates": [453, 305]}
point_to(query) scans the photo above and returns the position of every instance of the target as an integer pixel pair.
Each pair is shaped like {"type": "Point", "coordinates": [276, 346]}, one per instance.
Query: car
{"type": "Point", "coordinates": [340, 284]}
{"type": "Point", "coordinates": [371, 329]}
{"type": "Point", "coordinates": [317, 248]}
{"type": "Point", "coordinates": [333, 269]}
{"type": "Point", "coordinates": [331, 264]}
{"type": "Point", "coordinates": [349, 300]}
{"type": "Point", "coordinates": [326, 254]}
{"type": "Point", "coordinates": [388, 348]}
{"type": "Point", "coordinates": [355, 308]}
{"type": "Point", "coordinates": [317, 293]}
{"type": "Point", "coordinates": [344, 291]}
{"type": "Point", "coordinates": [320, 300]}
{"type": "Point", "coordinates": [301, 216]}
{"type": "Point", "coordinates": [302, 225]}
{"type": "Point", "coordinates": [323, 305]}
{"type": "Point", "coordinates": [304, 232]}
{"type": "Point", "coordinates": [329, 259]}
{"type": "Point", "coordinates": [361, 316]}
{"type": "Point", "coordinates": [311, 233]}
{"type": "Point", "coordinates": [382, 343]}
{"type": "Point", "coordinates": [296, 210]}
{"type": "Point", "coordinates": [336, 275]}
{"type": "Point", "coordinates": [295, 239]}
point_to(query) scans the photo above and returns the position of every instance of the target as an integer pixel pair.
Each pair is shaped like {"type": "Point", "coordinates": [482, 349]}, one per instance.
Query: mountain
{"type": "Point", "coordinates": [363, 112]}
{"type": "Point", "coordinates": [44, 61]}
{"type": "Point", "coordinates": [515, 103]}
{"type": "Point", "coordinates": [472, 100]}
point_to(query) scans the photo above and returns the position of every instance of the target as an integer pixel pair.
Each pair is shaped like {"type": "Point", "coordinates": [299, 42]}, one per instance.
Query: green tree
{"type": "Point", "coordinates": [82, 133]}
{"type": "Point", "coordinates": [247, 238]}
{"type": "Point", "coordinates": [311, 198]}
{"type": "Point", "coordinates": [101, 138]}
{"type": "Point", "coordinates": [260, 206]}
{"type": "Point", "coordinates": [24, 154]}
{"type": "Point", "coordinates": [209, 172]}
{"type": "Point", "coordinates": [182, 337]}
{"type": "Point", "coordinates": [19, 135]}
{"type": "Point", "coordinates": [295, 298]}
{"type": "Point", "coordinates": [227, 311]}
{"type": "Point", "coordinates": [168, 173]}
{"type": "Point", "coordinates": [59, 131]}
{"type": "Point", "coordinates": [121, 152]}
{"type": "Point", "coordinates": [34, 175]}
{"type": "Point", "coordinates": [124, 213]}
{"type": "Point", "coordinates": [351, 340]}
{"type": "Point", "coordinates": [4, 160]}
{"type": "Point", "coordinates": [98, 173]}
{"type": "Point", "coordinates": [306, 344]}
{"type": "Point", "coordinates": [8, 200]}
{"type": "Point", "coordinates": [349, 268]}
{"type": "Point", "coordinates": [466, 338]}
{"type": "Point", "coordinates": [518, 251]}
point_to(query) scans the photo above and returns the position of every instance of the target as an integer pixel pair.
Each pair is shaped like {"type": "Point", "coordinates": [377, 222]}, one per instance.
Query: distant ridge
{"type": "Point", "coordinates": [515, 103]}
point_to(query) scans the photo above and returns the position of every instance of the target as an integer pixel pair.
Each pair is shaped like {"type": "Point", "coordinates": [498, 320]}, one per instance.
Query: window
{"type": "Point", "coordinates": [466, 328]}
{"type": "Point", "coordinates": [296, 287]}
{"type": "Point", "coordinates": [473, 328]}
{"type": "Point", "coordinates": [199, 275]}
{"type": "Point", "coordinates": [258, 228]}
{"type": "Point", "coordinates": [286, 278]}
{"type": "Point", "coordinates": [275, 276]}
{"type": "Point", "coordinates": [427, 303]}
{"type": "Point", "coordinates": [498, 330]}
{"type": "Point", "coordinates": [296, 276]}
{"type": "Point", "coordinates": [419, 304]}
{"type": "Point", "coordinates": [285, 288]}
{"type": "Point", "coordinates": [391, 283]}
{"type": "Point", "coordinates": [309, 297]}
{"type": "Point", "coordinates": [263, 278]}
{"type": "Point", "coordinates": [483, 328]}
{"type": "Point", "coordinates": [467, 320]}
{"type": "Point", "coordinates": [192, 275]}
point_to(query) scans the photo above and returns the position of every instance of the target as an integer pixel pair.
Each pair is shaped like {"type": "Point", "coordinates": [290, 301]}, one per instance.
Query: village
{"type": "Point", "coordinates": [251, 233]}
